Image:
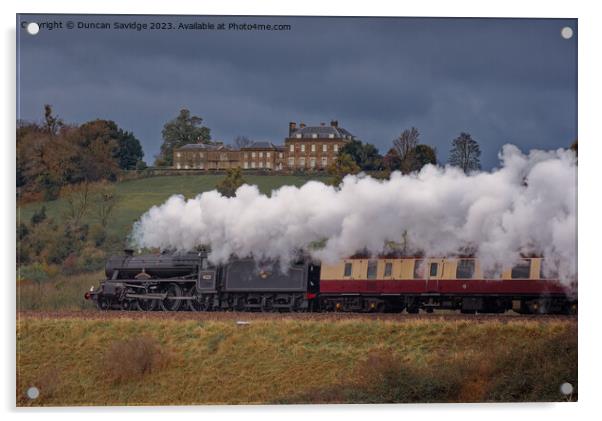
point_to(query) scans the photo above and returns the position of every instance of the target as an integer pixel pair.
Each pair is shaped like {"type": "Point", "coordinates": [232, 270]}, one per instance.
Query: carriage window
{"type": "Point", "coordinates": [522, 270]}
{"type": "Point", "coordinates": [465, 269]}
{"type": "Point", "coordinates": [434, 268]}
{"type": "Point", "coordinates": [388, 269]}
{"type": "Point", "coordinates": [347, 269]}
{"type": "Point", "coordinates": [418, 269]}
{"type": "Point", "coordinates": [372, 269]}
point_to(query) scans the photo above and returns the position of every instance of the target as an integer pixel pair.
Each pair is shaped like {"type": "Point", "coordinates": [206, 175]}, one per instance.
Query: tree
{"type": "Point", "coordinates": [465, 153]}
{"type": "Point", "coordinates": [404, 146]}
{"type": "Point", "coordinates": [242, 141]}
{"type": "Point", "coordinates": [365, 155]}
{"type": "Point", "coordinates": [228, 186]}
{"type": "Point", "coordinates": [423, 155]}
{"type": "Point", "coordinates": [391, 160]}
{"type": "Point", "coordinates": [180, 131]}
{"type": "Point", "coordinates": [127, 149]}
{"type": "Point", "coordinates": [52, 123]}
{"type": "Point", "coordinates": [343, 165]}
{"type": "Point", "coordinates": [105, 199]}
{"type": "Point", "coordinates": [574, 146]}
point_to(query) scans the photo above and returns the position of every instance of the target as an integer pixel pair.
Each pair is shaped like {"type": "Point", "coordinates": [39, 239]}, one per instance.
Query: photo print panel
{"type": "Point", "coordinates": [295, 210]}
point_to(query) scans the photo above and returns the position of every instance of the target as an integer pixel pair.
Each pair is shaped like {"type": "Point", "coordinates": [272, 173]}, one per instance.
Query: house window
{"type": "Point", "coordinates": [186, 166]}
{"type": "Point", "coordinates": [292, 148]}
{"type": "Point", "coordinates": [246, 155]}
{"type": "Point", "coordinates": [303, 147]}
{"type": "Point", "coordinates": [336, 148]}
{"type": "Point", "coordinates": [267, 154]}
{"type": "Point", "coordinates": [347, 272]}
{"type": "Point", "coordinates": [268, 164]}
{"type": "Point", "coordinates": [388, 268]}
{"type": "Point", "coordinates": [371, 273]}
{"type": "Point", "coordinates": [260, 164]}
{"type": "Point", "coordinates": [261, 154]}
{"type": "Point", "coordinates": [324, 148]}
{"type": "Point", "coordinates": [246, 165]}
{"type": "Point", "coordinates": [331, 135]}
{"type": "Point", "coordinates": [465, 269]}
{"type": "Point", "coordinates": [419, 269]}
{"type": "Point", "coordinates": [291, 162]}
{"type": "Point", "coordinates": [252, 164]}
{"type": "Point", "coordinates": [312, 162]}
{"type": "Point", "coordinates": [178, 154]}
{"type": "Point", "coordinates": [522, 270]}
{"type": "Point", "coordinates": [200, 154]}
{"type": "Point", "coordinates": [302, 162]}
{"type": "Point", "coordinates": [280, 155]}
{"type": "Point", "coordinates": [314, 135]}
{"type": "Point", "coordinates": [324, 162]}
{"type": "Point", "coordinates": [434, 269]}
{"type": "Point", "coordinates": [201, 165]}
{"type": "Point", "coordinates": [178, 165]}
{"type": "Point", "coordinates": [252, 154]}
{"type": "Point", "coordinates": [313, 147]}
{"type": "Point", "coordinates": [298, 135]}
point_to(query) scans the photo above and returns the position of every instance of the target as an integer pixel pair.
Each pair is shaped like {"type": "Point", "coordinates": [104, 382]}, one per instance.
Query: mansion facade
{"type": "Point", "coordinates": [311, 148]}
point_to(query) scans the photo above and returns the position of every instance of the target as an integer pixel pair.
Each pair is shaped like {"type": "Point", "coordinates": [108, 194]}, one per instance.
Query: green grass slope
{"type": "Point", "coordinates": [137, 196]}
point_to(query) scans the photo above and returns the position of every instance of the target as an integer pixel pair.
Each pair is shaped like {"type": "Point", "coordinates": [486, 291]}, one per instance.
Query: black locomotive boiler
{"type": "Point", "coordinates": [187, 281]}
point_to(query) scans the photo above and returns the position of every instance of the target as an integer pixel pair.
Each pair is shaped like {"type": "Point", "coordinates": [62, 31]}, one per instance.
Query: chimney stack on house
{"type": "Point", "coordinates": [292, 127]}
{"type": "Point", "coordinates": [334, 123]}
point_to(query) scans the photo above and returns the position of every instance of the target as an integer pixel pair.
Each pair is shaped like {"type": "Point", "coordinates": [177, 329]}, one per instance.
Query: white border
{"type": "Point", "coordinates": [590, 69]}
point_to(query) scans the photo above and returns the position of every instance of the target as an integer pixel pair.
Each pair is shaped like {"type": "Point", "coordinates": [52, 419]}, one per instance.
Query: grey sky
{"type": "Point", "coordinates": [502, 80]}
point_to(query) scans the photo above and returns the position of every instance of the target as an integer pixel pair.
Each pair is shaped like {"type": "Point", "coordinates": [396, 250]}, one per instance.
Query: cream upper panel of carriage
{"type": "Point", "coordinates": [423, 268]}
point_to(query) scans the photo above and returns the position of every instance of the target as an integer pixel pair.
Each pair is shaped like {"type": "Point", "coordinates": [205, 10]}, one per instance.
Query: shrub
{"type": "Point", "coordinates": [35, 272]}
{"type": "Point", "coordinates": [133, 358]}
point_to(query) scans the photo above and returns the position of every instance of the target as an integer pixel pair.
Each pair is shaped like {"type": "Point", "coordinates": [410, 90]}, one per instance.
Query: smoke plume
{"type": "Point", "coordinates": [526, 206]}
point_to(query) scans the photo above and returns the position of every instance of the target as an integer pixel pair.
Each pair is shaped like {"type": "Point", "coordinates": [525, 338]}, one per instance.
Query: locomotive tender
{"type": "Point", "coordinates": [187, 281]}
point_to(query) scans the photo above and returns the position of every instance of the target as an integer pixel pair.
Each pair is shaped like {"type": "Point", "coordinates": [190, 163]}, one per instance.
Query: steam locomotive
{"type": "Point", "coordinates": [188, 281]}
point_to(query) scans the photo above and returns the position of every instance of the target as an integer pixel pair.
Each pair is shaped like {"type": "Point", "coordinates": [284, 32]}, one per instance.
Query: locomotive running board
{"type": "Point", "coordinates": [160, 297]}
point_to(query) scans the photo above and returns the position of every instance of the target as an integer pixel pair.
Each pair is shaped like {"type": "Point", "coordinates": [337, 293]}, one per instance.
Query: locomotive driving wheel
{"type": "Point", "coordinates": [199, 303]}
{"type": "Point", "coordinates": [172, 291]}
{"type": "Point", "coordinates": [146, 304]}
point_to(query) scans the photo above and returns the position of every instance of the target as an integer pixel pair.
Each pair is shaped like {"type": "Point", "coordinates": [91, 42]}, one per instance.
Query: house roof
{"type": "Point", "coordinates": [260, 145]}
{"type": "Point", "coordinates": [322, 132]}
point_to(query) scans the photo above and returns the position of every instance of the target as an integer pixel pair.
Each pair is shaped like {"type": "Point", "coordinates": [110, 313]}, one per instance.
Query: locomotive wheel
{"type": "Point", "coordinates": [146, 305]}
{"type": "Point", "coordinates": [173, 290]}
{"type": "Point", "coordinates": [199, 304]}
{"type": "Point", "coordinates": [103, 304]}
{"type": "Point", "coordinates": [267, 305]}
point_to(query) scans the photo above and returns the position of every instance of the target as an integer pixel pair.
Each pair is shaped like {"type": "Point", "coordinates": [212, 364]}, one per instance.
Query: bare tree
{"type": "Point", "coordinates": [78, 200]}
{"type": "Point", "coordinates": [242, 141]}
{"type": "Point", "coordinates": [105, 199]}
{"type": "Point", "coordinates": [405, 146]}
{"type": "Point", "coordinates": [465, 153]}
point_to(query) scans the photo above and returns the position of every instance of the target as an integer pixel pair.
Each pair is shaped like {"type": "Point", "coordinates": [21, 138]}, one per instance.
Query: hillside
{"type": "Point", "coordinates": [123, 360]}
{"type": "Point", "coordinates": [137, 196]}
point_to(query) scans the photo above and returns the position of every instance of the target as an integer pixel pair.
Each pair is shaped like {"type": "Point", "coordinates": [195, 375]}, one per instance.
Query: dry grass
{"type": "Point", "coordinates": [295, 361]}
{"type": "Point", "coordinates": [60, 293]}
{"type": "Point", "coordinates": [132, 358]}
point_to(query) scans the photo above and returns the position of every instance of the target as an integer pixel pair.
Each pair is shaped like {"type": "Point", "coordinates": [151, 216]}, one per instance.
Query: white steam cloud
{"type": "Point", "coordinates": [528, 205]}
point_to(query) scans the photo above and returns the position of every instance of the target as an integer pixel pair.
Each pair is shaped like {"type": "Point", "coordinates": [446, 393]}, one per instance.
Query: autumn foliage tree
{"type": "Point", "coordinates": [54, 154]}
{"type": "Point", "coordinates": [342, 166]}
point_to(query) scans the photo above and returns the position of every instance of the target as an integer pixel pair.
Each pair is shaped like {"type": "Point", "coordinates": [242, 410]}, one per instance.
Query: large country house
{"type": "Point", "coordinates": [305, 148]}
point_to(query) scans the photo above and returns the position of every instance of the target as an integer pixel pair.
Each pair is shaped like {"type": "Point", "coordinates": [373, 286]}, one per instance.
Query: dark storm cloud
{"type": "Point", "coordinates": [503, 80]}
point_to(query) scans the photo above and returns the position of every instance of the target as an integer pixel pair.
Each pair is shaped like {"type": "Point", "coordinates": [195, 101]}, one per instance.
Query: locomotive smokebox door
{"type": "Point", "coordinates": [206, 280]}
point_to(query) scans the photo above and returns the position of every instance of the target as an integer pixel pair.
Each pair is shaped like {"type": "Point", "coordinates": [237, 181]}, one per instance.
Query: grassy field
{"type": "Point", "coordinates": [60, 293]}
{"type": "Point", "coordinates": [137, 196]}
{"type": "Point", "coordinates": [154, 361]}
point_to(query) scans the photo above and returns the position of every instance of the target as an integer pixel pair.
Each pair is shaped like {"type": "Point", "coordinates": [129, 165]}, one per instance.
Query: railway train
{"type": "Point", "coordinates": [188, 281]}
